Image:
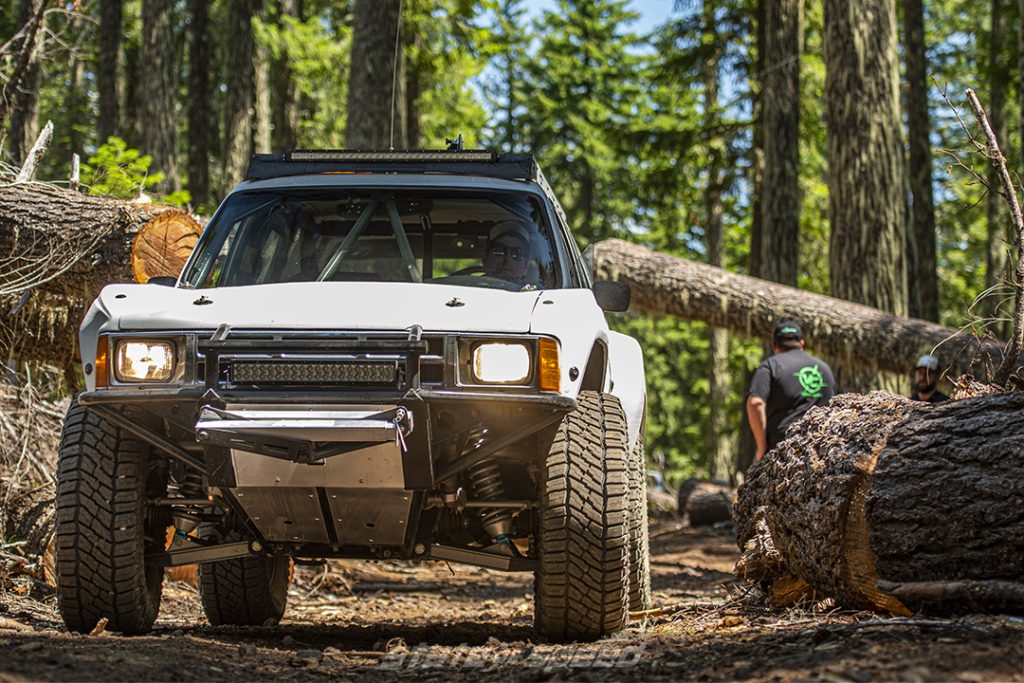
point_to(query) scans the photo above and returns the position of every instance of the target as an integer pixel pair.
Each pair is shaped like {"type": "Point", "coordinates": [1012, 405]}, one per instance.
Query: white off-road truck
{"type": "Point", "coordinates": [376, 355]}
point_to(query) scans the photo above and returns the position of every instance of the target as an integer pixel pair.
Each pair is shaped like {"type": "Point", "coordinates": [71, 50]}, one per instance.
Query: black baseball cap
{"type": "Point", "coordinates": [787, 330]}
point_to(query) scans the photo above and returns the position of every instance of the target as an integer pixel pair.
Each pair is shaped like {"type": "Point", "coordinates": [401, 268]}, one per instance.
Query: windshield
{"type": "Point", "coordinates": [497, 240]}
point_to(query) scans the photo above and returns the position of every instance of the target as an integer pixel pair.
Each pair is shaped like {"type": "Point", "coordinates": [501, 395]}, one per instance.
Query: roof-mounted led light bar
{"type": "Point", "coordinates": [425, 155]}
{"type": "Point", "coordinates": [454, 162]}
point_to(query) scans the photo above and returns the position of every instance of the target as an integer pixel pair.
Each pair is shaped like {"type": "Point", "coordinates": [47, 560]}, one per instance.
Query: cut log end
{"type": "Point", "coordinates": [162, 245]}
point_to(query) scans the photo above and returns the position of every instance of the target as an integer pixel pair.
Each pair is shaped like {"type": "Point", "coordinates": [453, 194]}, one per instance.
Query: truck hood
{"type": "Point", "coordinates": [320, 305]}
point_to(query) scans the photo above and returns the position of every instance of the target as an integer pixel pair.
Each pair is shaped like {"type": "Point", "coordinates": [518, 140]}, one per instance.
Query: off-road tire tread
{"type": "Point", "coordinates": [581, 586]}
{"type": "Point", "coordinates": [245, 591]}
{"type": "Point", "coordinates": [639, 543]}
{"type": "Point", "coordinates": [100, 543]}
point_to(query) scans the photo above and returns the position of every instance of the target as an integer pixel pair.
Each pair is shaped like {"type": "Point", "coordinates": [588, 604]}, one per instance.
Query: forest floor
{"type": "Point", "coordinates": [381, 621]}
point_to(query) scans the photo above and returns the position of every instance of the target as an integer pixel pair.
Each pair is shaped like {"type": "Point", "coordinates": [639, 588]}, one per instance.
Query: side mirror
{"type": "Point", "coordinates": [165, 280]}
{"type": "Point", "coordinates": [612, 296]}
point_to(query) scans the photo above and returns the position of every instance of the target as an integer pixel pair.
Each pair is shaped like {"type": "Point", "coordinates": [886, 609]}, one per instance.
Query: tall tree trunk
{"type": "Point", "coordinates": [998, 239]}
{"type": "Point", "coordinates": [747, 446]}
{"type": "Point", "coordinates": [285, 96]}
{"type": "Point", "coordinates": [24, 117]}
{"type": "Point", "coordinates": [922, 279]}
{"type": "Point", "coordinates": [718, 444]}
{"type": "Point", "coordinates": [108, 72]}
{"type": "Point", "coordinates": [780, 114]}
{"type": "Point", "coordinates": [159, 83]}
{"type": "Point", "coordinates": [240, 99]}
{"type": "Point", "coordinates": [413, 90]}
{"type": "Point", "coordinates": [867, 209]}
{"type": "Point", "coordinates": [199, 101]}
{"type": "Point", "coordinates": [374, 104]}
{"type": "Point", "coordinates": [261, 66]}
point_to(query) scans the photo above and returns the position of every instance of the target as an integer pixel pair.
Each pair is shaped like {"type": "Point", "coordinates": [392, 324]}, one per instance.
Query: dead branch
{"type": "Point", "coordinates": [42, 143]}
{"type": "Point", "coordinates": [1009, 193]}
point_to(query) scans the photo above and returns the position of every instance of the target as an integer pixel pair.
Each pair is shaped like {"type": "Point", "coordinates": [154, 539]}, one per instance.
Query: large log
{"type": "Point", "coordinates": [59, 248]}
{"type": "Point", "coordinates": [848, 333]}
{"type": "Point", "coordinates": [888, 504]}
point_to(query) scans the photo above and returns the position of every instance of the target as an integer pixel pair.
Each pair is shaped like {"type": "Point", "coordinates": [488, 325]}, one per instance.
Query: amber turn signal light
{"type": "Point", "coordinates": [550, 373]}
{"type": "Point", "coordinates": [102, 372]}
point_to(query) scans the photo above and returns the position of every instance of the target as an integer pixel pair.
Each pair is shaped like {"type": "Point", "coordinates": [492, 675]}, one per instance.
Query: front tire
{"type": "Point", "coordinates": [581, 585]}
{"type": "Point", "coordinates": [104, 527]}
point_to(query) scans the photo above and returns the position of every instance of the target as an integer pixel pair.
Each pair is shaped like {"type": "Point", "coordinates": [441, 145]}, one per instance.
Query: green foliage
{"type": "Point", "coordinates": [317, 52]}
{"type": "Point", "coordinates": [115, 170]}
{"type": "Point", "coordinates": [582, 87]}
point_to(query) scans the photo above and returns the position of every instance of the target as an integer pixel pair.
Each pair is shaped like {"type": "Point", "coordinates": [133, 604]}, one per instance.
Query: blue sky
{"type": "Point", "coordinates": [652, 12]}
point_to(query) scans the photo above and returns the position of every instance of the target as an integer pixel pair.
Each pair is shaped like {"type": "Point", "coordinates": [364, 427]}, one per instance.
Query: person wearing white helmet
{"type": "Point", "coordinates": [507, 255]}
{"type": "Point", "coordinates": [926, 379]}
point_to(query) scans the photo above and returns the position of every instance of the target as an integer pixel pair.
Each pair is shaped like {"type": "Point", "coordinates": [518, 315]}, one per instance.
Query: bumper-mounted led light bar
{"type": "Point", "coordinates": [313, 373]}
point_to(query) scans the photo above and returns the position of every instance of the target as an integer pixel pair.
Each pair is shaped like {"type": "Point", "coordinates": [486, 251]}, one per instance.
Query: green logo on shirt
{"type": "Point", "coordinates": [811, 381]}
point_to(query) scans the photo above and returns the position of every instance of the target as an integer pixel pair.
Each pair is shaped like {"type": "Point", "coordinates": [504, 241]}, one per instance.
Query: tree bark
{"type": "Point", "coordinates": [23, 87]}
{"type": "Point", "coordinates": [718, 446]}
{"type": "Point", "coordinates": [373, 87]}
{"type": "Point", "coordinates": [240, 99]}
{"type": "Point", "coordinates": [852, 334]}
{"type": "Point", "coordinates": [108, 71]}
{"type": "Point", "coordinates": [746, 445]}
{"type": "Point", "coordinates": [57, 250]}
{"type": "Point", "coordinates": [285, 96]}
{"type": "Point", "coordinates": [199, 101]}
{"type": "Point", "coordinates": [780, 200]}
{"type": "Point", "coordinates": [867, 206]}
{"type": "Point", "coordinates": [159, 80]}
{"type": "Point", "coordinates": [922, 278]}
{"type": "Point", "coordinates": [998, 238]}
{"type": "Point", "coordinates": [261, 83]}
{"type": "Point", "coordinates": [878, 488]}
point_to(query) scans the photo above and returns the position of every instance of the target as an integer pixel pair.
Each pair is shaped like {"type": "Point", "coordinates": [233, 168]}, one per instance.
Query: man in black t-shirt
{"type": "Point", "coordinates": [926, 381]}
{"type": "Point", "coordinates": [785, 386]}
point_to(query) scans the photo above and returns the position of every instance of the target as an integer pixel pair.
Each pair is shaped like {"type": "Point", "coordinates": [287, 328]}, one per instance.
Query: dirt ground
{"type": "Point", "coordinates": [382, 621]}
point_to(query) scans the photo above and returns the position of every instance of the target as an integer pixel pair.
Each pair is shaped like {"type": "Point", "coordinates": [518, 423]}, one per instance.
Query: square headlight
{"type": "Point", "coordinates": [144, 360]}
{"type": "Point", "coordinates": [501, 363]}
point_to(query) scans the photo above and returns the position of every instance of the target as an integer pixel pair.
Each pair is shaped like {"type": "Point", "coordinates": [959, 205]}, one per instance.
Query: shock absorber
{"type": "Point", "coordinates": [486, 484]}
{"type": "Point", "coordinates": [187, 518]}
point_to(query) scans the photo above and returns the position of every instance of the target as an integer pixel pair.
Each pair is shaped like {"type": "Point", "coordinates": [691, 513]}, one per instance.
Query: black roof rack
{"type": "Point", "coordinates": [468, 162]}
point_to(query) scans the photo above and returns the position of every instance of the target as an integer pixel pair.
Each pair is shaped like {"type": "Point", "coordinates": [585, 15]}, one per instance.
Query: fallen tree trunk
{"type": "Point", "coordinates": [849, 333]}
{"type": "Point", "coordinates": [59, 248]}
{"type": "Point", "coordinates": [887, 504]}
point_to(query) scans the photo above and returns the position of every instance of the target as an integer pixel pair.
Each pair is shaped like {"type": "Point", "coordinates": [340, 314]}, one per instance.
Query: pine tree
{"type": "Point", "coordinates": [158, 76]}
{"type": "Point", "coordinates": [109, 69]}
{"type": "Point", "coordinates": [865, 153]}
{"type": "Point", "coordinates": [238, 104]}
{"type": "Point", "coordinates": [922, 280]}
{"type": "Point", "coordinates": [199, 102]}
{"type": "Point", "coordinates": [376, 119]}
{"type": "Point", "coordinates": [780, 131]}
{"type": "Point", "coordinates": [505, 92]}
{"type": "Point", "coordinates": [583, 87]}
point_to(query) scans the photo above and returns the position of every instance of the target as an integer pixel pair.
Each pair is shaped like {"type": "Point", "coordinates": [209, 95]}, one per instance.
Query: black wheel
{"type": "Point", "coordinates": [246, 591]}
{"type": "Point", "coordinates": [639, 545]}
{"type": "Point", "coordinates": [581, 586]}
{"type": "Point", "coordinates": [104, 527]}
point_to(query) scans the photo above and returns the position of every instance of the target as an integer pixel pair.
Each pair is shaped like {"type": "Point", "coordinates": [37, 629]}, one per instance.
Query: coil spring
{"type": "Point", "coordinates": [188, 519]}
{"type": "Point", "coordinates": [486, 483]}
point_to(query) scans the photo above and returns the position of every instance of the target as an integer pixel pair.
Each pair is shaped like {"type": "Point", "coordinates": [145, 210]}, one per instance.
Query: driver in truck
{"type": "Point", "coordinates": [508, 251]}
